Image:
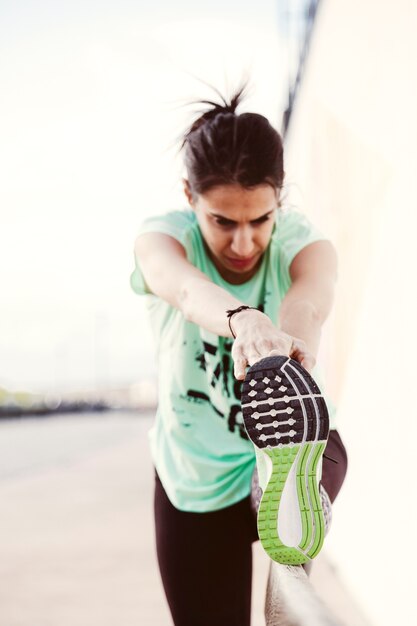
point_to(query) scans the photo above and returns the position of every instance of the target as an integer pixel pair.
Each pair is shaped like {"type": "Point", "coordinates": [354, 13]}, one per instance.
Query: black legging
{"type": "Point", "coordinates": [205, 559]}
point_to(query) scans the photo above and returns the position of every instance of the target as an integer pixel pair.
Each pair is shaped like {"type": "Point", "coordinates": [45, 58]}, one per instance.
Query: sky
{"type": "Point", "coordinates": [91, 111]}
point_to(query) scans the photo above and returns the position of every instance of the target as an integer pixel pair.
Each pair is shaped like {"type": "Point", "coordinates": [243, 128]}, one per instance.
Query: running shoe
{"type": "Point", "coordinates": [326, 505]}
{"type": "Point", "coordinates": [287, 420]}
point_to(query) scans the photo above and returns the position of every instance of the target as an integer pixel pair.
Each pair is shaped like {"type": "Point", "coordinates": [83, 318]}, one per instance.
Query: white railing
{"type": "Point", "coordinates": [292, 601]}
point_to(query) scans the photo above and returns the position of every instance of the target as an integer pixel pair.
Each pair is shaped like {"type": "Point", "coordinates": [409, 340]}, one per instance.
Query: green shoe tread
{"type": "Point", "coordinates": [303, 498]}
{"type": "Point", "coordinates": [316, 502]}
{"type": "Point", "coordinates": [309, 502]}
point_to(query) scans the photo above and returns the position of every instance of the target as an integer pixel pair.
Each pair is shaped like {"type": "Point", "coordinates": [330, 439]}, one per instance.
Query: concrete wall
{"type": "Point", "coordinates": [352, 166]}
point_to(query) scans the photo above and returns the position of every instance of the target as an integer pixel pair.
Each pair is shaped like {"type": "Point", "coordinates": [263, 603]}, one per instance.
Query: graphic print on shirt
{"type": "Point", "coordinates": [224, 398]}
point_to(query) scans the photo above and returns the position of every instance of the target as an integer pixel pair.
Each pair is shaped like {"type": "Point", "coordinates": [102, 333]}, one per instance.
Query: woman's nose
{"type": "Point", "coordinates": [242, 244]}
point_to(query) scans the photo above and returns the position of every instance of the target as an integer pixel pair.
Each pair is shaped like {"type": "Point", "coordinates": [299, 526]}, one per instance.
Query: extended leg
{"type": "Point", "coordinates": [334, 465]}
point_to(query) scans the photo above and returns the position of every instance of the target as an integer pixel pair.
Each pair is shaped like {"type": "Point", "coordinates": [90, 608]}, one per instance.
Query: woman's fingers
{"type": "Point", "coordinates": [247, 355]}
{"type": "Point", "coordinates": [253, 357]}
{"type": "Point", "coordinates": [242, 361]}
{"type": "Point", "coordinates": [302, 355]}
{"type": "Point", "coordinates": [308, 362]}
{"type": "Point", "coordinates": [240, 365]}
{"type": "Point", "coordinates": [276, 352]}
{"type": "Point", "coordinates": [296, 349]}
{"type": "Point", "coordinates": [282, 345]}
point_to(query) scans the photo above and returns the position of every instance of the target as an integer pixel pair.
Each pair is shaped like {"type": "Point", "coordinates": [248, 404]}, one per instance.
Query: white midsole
{"type": "Point", "coordinates": [289, 524]}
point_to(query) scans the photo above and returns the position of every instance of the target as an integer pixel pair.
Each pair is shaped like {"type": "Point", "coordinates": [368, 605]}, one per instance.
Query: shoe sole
{"type": "Point", "coordinates": [286, 418]}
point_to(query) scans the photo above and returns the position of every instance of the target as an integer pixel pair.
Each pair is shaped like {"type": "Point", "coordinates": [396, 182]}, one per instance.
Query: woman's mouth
{"type": "Point", "coordinates": [241, 264]}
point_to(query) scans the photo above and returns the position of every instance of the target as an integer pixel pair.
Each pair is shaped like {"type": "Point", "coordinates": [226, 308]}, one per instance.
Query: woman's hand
{"type": "Point", "coordinates": [257, 337]}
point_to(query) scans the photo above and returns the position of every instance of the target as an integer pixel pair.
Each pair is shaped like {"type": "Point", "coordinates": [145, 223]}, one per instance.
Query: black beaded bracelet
{"type": "Point", "coordinates": [231, 312]}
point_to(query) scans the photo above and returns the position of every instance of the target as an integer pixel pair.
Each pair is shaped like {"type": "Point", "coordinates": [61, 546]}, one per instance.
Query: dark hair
{"type": "Point", "coordinates": [222, 147]}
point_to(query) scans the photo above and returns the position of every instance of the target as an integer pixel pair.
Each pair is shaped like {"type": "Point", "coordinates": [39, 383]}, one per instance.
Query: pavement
{"type": "Point", "coordinates": [76, 528]}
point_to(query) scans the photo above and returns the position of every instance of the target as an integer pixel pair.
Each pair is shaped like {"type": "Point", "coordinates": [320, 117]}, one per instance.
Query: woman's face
{"type": "Point", "coordinates": [236, 225]}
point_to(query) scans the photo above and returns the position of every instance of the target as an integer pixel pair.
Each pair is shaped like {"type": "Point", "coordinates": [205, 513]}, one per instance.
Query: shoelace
{"type": "Point", "coordinates": [326, 456]}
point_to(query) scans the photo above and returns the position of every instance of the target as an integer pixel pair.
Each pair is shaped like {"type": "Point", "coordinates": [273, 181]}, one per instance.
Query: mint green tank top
{"type": "Point", "coordinates": [198, 441]}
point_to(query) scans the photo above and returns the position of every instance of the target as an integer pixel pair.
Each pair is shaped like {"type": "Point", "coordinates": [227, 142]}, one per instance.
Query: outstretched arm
{"type": "Point", "coordinates": [308, 301]}
{"type": "Point", "coordinates": [169, 275]}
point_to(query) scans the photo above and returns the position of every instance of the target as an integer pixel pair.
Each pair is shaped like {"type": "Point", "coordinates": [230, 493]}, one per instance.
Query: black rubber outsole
{"type": "Point", "coordinates": [282, 404]}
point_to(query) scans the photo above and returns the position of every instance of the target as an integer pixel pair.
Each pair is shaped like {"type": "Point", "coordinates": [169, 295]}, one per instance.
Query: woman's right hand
{"type": "Point", "coordinates": [257, 337]}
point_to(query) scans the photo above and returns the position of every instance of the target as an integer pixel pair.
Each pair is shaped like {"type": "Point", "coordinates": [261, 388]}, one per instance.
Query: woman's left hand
{"type": "Point", "coordinates": [257, 338]}
{"type": "Point", "coordinates": [298, 351]}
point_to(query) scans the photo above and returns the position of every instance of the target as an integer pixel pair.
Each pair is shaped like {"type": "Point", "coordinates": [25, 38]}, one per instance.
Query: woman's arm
{"type": "Point", "coordinates": [308, 301]}
{"type": "Point", "coordinates": [169, 275]}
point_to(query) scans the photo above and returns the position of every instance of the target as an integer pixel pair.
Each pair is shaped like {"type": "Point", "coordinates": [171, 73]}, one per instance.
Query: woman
{"type": "Point", "coordinates": [230, 281]}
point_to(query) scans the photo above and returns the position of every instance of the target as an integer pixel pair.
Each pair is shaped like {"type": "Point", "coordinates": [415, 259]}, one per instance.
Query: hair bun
{"type": "Point", "coordinates": [217, 108]}
{"type": "Point", "coordinates": [223, 147]}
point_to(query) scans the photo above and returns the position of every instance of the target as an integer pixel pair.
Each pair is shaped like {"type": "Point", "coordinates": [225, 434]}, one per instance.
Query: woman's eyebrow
{"type": "Point", "coordinates": [258, 219]}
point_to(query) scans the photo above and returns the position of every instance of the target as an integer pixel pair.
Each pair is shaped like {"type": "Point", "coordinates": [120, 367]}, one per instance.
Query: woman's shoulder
{"type": "Point", "coordinates": [291, 226]}
{"type": "Point", "coordinates": [289, 223]}
{"type": "Point", "coordinates": [293, 231]}
{"type": "Point", "coordinates": [182, 217]}
{"type": "Point", "coordinates": [177, 223]}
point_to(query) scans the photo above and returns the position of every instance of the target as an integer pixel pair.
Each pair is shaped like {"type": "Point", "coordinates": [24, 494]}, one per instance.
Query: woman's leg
{"type": "Point", "coordinates": [205, 560]}
{"type": "Point", "coordinates": [334, 465]}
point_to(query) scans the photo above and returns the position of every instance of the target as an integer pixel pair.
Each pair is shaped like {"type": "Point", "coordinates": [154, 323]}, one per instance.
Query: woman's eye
{"type": "Point", "coordinates": [223, 222]}
{"type": "Point", "coordinates": [261, 220]}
